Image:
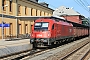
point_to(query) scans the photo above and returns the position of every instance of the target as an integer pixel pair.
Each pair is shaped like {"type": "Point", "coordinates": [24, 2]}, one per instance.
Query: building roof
{"type": "Point", "coordinates": [39, 4]}
{"type": "Point", "coordinates": [65, 11]}
{"type": "Point", "coordinates": [44, 4]}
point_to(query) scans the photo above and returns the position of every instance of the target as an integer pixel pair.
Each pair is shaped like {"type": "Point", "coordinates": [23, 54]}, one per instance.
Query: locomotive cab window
{"type": "Point", "coordinates": [41, 26]}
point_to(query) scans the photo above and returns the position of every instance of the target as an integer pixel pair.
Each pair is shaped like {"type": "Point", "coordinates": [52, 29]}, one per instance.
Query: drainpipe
{"type": "Point", "coordinates": [16, 19]}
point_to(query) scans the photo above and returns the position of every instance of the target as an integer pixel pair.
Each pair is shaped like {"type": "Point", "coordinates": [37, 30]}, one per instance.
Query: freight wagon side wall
{"type": "Point", "coordinates": [75, 32]}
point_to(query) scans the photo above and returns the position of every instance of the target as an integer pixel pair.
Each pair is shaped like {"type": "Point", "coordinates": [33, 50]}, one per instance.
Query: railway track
{"type": "Point", "coordinates": [80, 53]}
{"type": "Point", "coordinates": [20, 55]}
{"type": "Point", "coordinates": [28, 53]}
{"type": "Point", "coordinates": [25, 55]}
{"type": "Point", "coordinates": [86, 56]}
{"type": "Point", "coordinates": [60, 52]}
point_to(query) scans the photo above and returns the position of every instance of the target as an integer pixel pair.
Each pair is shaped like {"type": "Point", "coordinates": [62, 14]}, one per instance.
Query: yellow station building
{"type": "Point", "coordinates": [9, 9]}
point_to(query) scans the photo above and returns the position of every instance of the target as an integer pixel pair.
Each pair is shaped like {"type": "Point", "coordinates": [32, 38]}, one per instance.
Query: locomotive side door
{"type": "Point", "coordinates": [53, 32]}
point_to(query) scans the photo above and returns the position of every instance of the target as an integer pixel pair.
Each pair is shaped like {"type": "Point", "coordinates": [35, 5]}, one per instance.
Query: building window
{"type": "Point", "coordinates": [3, 4]}
{"type": "Point", "coordinates": [26, 28]}
{"type": "Point", "coordinates": [31, 11]}
{"type": "Point", "coordinates": [20, 29]}
{"type": "Point", "coordinates": [11, 29]}
{"type": "Point", "coordinates": [26, 10]}
{"type": "Point", "coordinates": [40, 13]}
{"type": "Point", "coordinates": [19, 7]}
{"type": "Point", "coordinates": [44, 13]}
{"type": "Point", "coordinates": [10, 5]}
{"type": "Point", "coordinates": [36, 12]}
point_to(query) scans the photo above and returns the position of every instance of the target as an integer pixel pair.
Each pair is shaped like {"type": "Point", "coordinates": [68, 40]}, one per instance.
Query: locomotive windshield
{"type": "Point", "coordinates": [41, 26]}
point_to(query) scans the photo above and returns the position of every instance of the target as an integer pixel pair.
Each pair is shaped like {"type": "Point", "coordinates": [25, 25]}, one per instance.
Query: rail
{"type": "Point", "coordinates": [69, 54]}
{"type": "Point", "coordinates": [85, 55]}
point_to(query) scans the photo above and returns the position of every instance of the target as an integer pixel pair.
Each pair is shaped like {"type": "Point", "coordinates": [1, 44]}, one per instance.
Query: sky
{"type": "Point", "coordinates": [71, 3]}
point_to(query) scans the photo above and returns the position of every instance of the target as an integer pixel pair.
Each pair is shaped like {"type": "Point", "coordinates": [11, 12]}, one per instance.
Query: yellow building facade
{"type": "Point", "coordinates": [12, 8]}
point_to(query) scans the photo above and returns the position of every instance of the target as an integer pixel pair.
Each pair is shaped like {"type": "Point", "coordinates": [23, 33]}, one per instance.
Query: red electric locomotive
{"type": "Point", "coordinates": [47, 31]}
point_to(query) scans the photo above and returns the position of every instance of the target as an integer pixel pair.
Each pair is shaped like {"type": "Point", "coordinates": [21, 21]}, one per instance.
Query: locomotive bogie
{"type": "Point", "coordinates": [42, 41]}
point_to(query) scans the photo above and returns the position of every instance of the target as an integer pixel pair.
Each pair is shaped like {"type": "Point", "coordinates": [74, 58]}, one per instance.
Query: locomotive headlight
{"type": "Point", "coordinates": [32, 35]}
{"type": "Point", "coordinates": [49, 34]}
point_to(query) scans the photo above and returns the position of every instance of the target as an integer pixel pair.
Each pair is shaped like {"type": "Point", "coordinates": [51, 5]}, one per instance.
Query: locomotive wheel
{"type": "Point", "coordinates": [52, 43]}
{"type": "Point", "coordinates": [34, 45]}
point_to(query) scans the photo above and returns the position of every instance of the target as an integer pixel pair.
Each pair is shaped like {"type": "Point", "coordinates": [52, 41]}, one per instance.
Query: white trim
{"type": "Point", "coordinates": [35, 17]}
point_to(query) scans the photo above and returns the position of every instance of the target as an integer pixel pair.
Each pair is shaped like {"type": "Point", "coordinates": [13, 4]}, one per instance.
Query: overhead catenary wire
{"type": "Point", "coordinates": [83, 4]}
{"type": "Point", "coordinates": [86, 2]}
{"type": "Point", "coordinates": [80, 3]}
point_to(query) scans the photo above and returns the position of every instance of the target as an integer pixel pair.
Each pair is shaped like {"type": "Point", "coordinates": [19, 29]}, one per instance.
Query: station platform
{"type": "Point", "coordinates": [13, 46]}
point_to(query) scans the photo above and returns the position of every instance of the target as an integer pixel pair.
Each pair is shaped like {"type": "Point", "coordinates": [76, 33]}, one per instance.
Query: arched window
{"type": "Point", "coordinates": [31, 11]}
{"type": "Point", "coordinates": [3, 4]}
{"type": "Point", "coordinates": [19, 7]}
{"type": "Point", "coordinates": [36, 12]}
{"type": "Point", "coordinates": [10, 5]}
{"type": "Point", "coordinates": [40, 13]}
{"type": "Point", "coordinates": [25, 10]}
